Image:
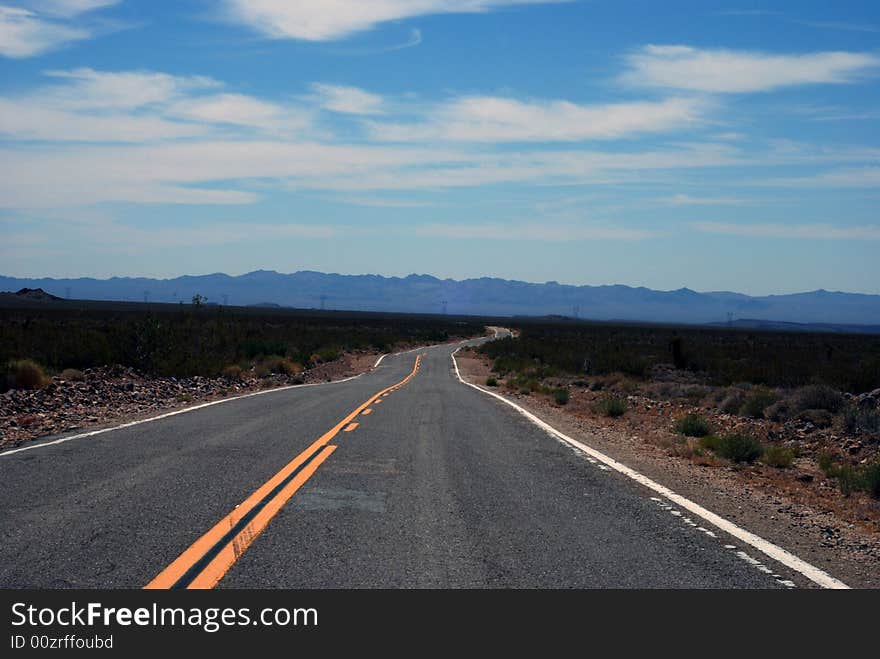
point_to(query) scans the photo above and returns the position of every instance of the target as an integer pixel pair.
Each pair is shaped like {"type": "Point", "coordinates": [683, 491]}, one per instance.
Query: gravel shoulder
{"type": "Point", "coordinates": [809, 518]}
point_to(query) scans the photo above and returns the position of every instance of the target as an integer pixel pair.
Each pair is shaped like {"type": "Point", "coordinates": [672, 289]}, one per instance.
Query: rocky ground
{"type": "Point", "coordinates": [798, 507]}
{"type": "Point", "coordinates": [108, 394]}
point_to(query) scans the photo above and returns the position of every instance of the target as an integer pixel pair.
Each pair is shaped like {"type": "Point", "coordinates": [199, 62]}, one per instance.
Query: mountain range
{"type": "Point", "coordinates": [484, 296]}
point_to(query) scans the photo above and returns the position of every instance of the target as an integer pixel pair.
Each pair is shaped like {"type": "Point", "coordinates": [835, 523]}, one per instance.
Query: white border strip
{"type": "Point", "coordinates": [775, 552]}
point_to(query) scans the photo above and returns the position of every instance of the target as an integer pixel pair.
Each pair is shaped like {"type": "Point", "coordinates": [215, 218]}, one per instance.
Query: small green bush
{"type": "Point", "coordinates": [819, 397]}
{"type": "Point", "coordinates": [865, 478]}
{"type": "Point", "coordinates": [756, 402]}
{"type": "Point", "coordinates": [561, 396]}
{"type": "Point", "coordinates": [710, 442]}
{"type": "Point", "coordinates": [778, 456]}
{"type": "Point", "coordinates": [25, 374]}
{"type": "Point", "coordinates": [491, 382]}
{"type": "Point", "coordinates": [736, 447]}
{"type": "Point", "coordinates": [693, 425]}
{"type": "Point", "coordinates": [612, 406]}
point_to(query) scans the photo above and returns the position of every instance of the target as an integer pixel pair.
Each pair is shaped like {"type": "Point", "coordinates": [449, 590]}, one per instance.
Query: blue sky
{"type": "Point", "coordinates": [714, 145]}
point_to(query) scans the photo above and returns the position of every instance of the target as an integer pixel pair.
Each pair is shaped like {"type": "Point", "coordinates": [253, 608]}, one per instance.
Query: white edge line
{"type": "Point", "coordinates": [379, 361]}
{"type": "Point", "coordinates": [811, 572]}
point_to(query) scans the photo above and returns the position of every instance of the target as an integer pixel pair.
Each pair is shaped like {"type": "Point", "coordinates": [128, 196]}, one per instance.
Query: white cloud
{"type": "Point", "coordinates": [87, 89]}
{"type": "Point", "coordinates": [69, 8]}
{"type": "Point", "coordinates": [25, 34]}
{"type": "Point", "coordinates": [137, 106]}
{"type": "Point", "coordinates": [791, 231]}
{"type": "Point", "coordinates": [86, 174]}
{"type": "Point", "coordinates": [531, 232]}
{"type": "Point", "coordinates": [494, 119]}
{"type": "Point", "coordinates": [324, 20]}
{"type": "Point", "coordinates": [730, 71]}
{"type": "Point", "coordinates": [240, 110]}
{"type": "Point", "coordinates": [28, 120]}
{"type": "Point", "coordinates": [44, 25]}
{"type": "Point", "coordinates": [346, 100]}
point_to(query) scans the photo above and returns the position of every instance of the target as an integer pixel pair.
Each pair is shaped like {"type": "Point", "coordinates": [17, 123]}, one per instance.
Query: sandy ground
{"type": "Point", "coordinates": [812, 520]}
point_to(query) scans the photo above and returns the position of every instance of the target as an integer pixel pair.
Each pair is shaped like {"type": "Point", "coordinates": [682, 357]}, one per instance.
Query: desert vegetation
{"type": "Point", "coordinates": [198, 340]}
{"type": "Point", "coordinates": [776, 400]}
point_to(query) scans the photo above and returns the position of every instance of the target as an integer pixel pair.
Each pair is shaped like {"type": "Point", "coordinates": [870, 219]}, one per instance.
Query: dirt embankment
{"type": "Point", "coordinates": [798, 508]}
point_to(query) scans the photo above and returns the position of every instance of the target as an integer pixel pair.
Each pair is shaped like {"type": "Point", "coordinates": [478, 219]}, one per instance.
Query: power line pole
{"type": "Point", "coordinates": [444, 303]}
{"type": "Point", "coordinates": [225, 297]}
{"type": "Point", "coordinates": [146, 296]}
{"type": "Point", "coordinates": [323, 300]}
{"type": "Point", "coordinates": [576, 310]}
{"type": "Point", "coordinates": [67, 292]}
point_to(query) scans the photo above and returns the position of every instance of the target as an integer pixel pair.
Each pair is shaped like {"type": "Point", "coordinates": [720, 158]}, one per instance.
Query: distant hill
{"type": "Point", "coordinates": [485, 296]}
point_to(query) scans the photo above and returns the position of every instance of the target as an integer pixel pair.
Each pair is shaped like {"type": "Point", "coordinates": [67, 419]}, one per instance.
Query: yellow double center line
{"type": "Point", "coordinates": [205, 562]}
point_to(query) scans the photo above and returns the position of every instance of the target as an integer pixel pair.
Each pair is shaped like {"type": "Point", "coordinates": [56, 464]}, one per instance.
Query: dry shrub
{"type": "Point", "coordinates": [232, 372]}
{"type": "Point", "coordinates": [25, 374]}
{"type": "Point", "coordinates": [72, 375]}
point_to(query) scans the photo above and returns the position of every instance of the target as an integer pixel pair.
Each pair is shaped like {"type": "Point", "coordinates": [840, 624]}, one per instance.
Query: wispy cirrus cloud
{"type": "Point", "coordinates": [496, 119]}
{"type": "Point", "coordinates": [791, 231]}
{"type": "Point", "coordinates": [346, 99]}
{"type": "Point", "coordinates": [69, 8]}
{"type": "Point", "coordinates": [84, 105]}
{"type": "Point", "coordinates": [25, 34]}
{"type": "Point", "coordinates": [327, 20]}
{"type": "Point", "coordinates": [88, 89]}
{"type": "Point", "coordinates": [39, 26]}
{"type": "Point", "coordinates": [733, 71]}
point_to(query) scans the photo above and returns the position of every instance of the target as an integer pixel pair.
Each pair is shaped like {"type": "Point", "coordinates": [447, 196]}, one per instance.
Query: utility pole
{"type": "Point", "coordinates": [729, 319]}
{"type": "Point", "coordinates": [443, 304]}
{"type": "Point", "coordinates": [225, 297]}
{"type": "Point", "coordinates": [576, 310]}
{"type": "Point", "coordinates": [67, 292]}
{"type": "Point", "coordinates": [323, 300]}
{"type": "Point", "coordinates": [146, 296]}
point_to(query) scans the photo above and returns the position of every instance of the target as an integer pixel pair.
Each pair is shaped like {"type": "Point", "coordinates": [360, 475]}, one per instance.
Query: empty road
{"type": "Point", "coordinates": [404, 477]}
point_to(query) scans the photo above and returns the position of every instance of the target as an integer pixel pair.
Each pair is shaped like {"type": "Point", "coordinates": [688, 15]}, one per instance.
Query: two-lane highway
{"type": "Point", "coordinates": [403, 477]}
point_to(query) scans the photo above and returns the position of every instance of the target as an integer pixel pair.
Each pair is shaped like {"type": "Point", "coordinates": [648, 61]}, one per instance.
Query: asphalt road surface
{"type": "Point", "coordinates": [437, 485]}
